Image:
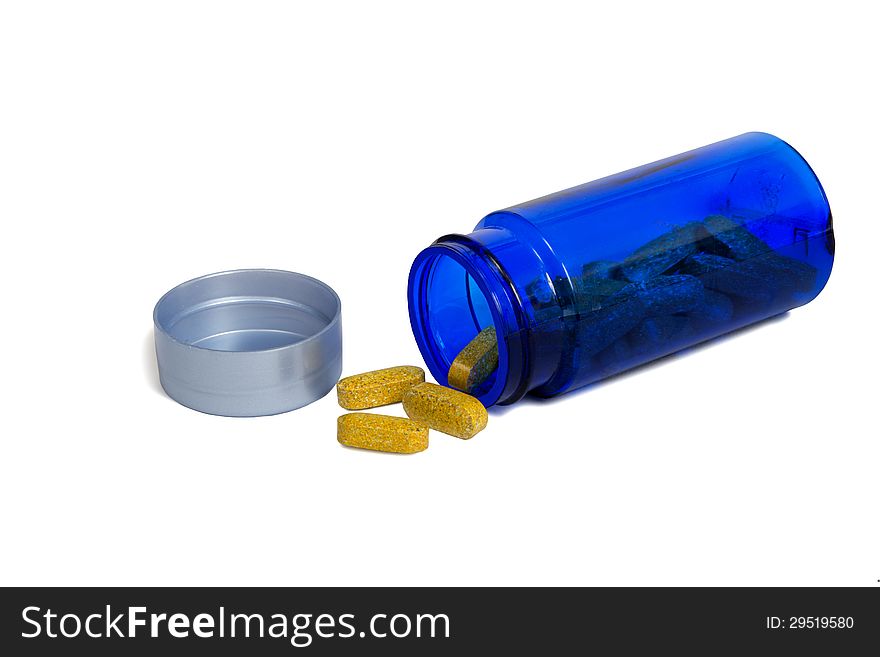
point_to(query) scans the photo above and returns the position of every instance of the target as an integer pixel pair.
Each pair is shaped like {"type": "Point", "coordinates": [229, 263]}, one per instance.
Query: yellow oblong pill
{"type": "Point", "coordinates": [475, 362]}
{"type": "Point", "coordinates": [446, 410]}
{"type": "Point", "coordinates": [382, 433]}
{"type": "Point", "coordinates": [377, 388]}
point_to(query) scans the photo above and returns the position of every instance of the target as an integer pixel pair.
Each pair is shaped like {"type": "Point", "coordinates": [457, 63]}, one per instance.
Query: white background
{"type": "Point", "coordinates": [143, 144]}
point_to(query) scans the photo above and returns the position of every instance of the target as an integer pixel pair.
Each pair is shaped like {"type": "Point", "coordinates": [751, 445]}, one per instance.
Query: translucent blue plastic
{"type": "Point", "coordinates": [600, 278]}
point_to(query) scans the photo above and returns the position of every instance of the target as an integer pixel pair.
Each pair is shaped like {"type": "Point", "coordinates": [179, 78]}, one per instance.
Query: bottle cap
{"type": "Point", "coordinates": [248, 342]}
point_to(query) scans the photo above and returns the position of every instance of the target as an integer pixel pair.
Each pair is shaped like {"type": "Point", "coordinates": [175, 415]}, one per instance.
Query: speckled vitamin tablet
{"type": "Point", "coordinates": [377, 388]}
{"type": "Point", "coordinates": [475, 362]}
{"type": "Point", "coordinates": [382, 433]}
{"type": "Point", "coordinates": [446, 410]}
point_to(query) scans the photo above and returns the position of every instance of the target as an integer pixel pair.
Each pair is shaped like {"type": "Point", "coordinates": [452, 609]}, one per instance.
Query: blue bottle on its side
{"type": "Point", "coordinates": [600, 278]}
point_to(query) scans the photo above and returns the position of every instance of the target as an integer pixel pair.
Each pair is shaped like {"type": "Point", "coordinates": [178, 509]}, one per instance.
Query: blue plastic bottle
{"type": "Point", "coordinates": [600, 278]}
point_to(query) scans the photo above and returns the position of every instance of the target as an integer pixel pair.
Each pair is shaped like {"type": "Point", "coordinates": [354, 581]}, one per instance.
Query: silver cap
{"type": "Point", "coordinates": [248, 342]}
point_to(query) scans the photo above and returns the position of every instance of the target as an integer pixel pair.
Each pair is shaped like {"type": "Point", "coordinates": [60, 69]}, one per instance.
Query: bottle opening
{"type": "Point", "coordinates": [451, 300]}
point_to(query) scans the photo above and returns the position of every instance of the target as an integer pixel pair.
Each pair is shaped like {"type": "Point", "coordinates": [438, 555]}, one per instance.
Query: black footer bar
{"type": "Point", "coordinates": [441, 621]}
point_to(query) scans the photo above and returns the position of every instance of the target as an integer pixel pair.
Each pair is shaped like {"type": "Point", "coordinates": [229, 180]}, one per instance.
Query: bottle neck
{"type": "Point", "coordinates": [458, 287]}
